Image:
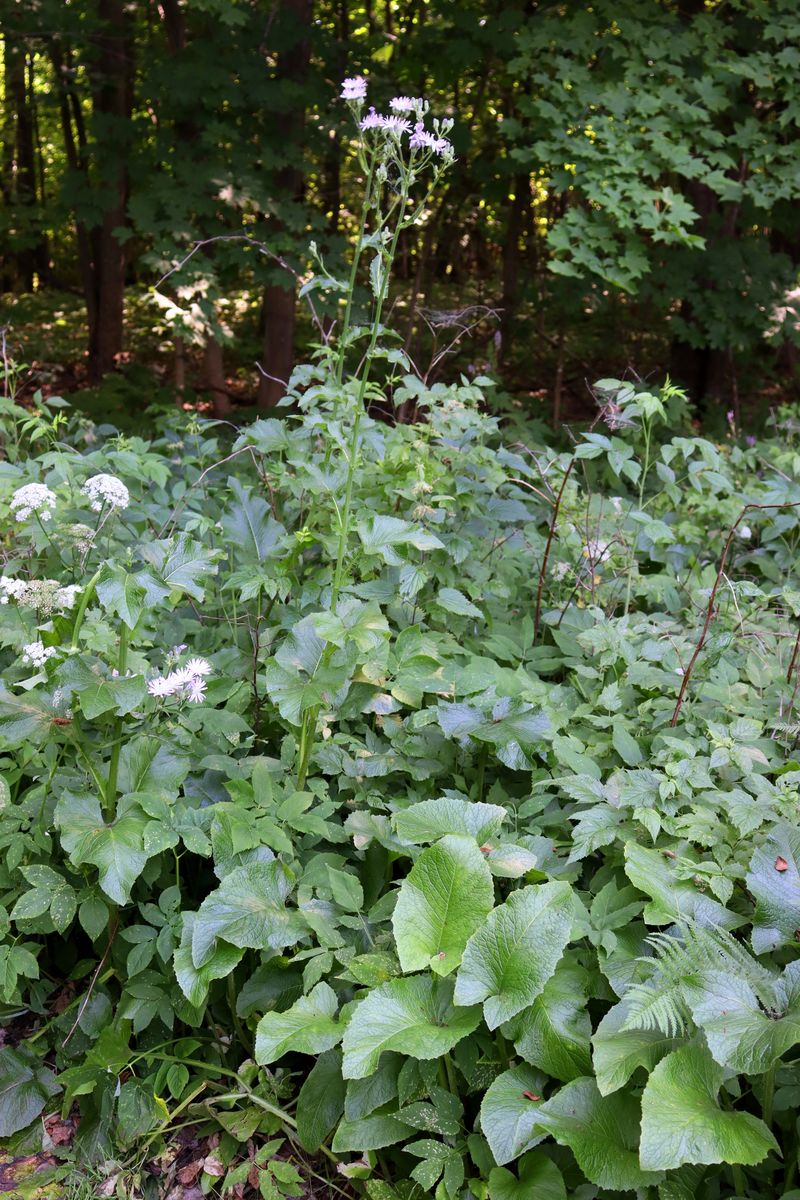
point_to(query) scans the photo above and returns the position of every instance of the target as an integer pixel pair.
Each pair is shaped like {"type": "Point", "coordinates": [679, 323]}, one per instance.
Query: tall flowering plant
{"type": "Point", "coordinates": [402, 161]}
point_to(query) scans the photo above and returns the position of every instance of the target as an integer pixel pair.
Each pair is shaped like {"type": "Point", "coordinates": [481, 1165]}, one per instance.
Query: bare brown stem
{"type": "Point", "coordinates": [543, 569]}
{"type": "Point", "coordinates": [711, 599]}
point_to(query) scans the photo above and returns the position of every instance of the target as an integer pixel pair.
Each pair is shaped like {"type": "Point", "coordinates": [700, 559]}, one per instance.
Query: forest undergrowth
{"type": "Point", "coordinates": [394, 809]}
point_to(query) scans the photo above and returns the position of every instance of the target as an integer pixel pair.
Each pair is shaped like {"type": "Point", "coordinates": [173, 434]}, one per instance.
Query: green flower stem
{"type": "Point", "coordinates": [354, 271]}
{"type": "Point", "coordinates": [113, 766]}
{"type": "Point", "coordinates": [88, 593]}
{"type": "Point", "coordinates": [309, 723]}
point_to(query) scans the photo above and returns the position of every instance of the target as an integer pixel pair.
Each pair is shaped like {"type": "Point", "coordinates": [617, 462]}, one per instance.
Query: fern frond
{"type": "Point", "coordinates": [659, 1003]}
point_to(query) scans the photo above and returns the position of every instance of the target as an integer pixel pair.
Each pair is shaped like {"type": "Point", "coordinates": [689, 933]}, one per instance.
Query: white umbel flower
{"type": "Point", "coordinates": [33, 498]}
{"type": "Point", "coordinates": [106, 489]}
{"type": "Point", "coordinates": [37, 654]}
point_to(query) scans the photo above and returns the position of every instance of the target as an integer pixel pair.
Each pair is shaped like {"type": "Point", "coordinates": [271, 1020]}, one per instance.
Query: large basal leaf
{"type": "Point", "coordinates": [320, 1101]}
{"type": "Point", "coordinates": [442, 901]}
{"type": "Point", "coordinates": [509, 1113]}
{"type": "Point", "coordinates": [249, 527]}
{"type": "Point", "coordinates": [308, 1027]}
{"type": "Point", "coordinates": [414, 1016]}
{"type": "Point", "coordinates": [510, 958]}
{"type": "Point", "coordinates": [741, 1035]}
{"type": "Point", "coordinates": [774, 881]}
{"type": "Point", "coordinates": [601, 1131]}
{"type": "Point", "coordinates": [248, 909]}
{"type": "Point", "coordinates": [25, 1088]}
{"type": "Point", "coordinates": [117, 850]}
{"type": "Point", "coordinates": [682, 1121]}
{"type": "Point", "coordinates": [430, 820]}
{"type": "Point", "coordinates": [618, 1052]}
{"type": "Point", "coordinates": [119, 696]}
{"type": "Point", "coordinates": [539, 1179]}
{"type": "Point", "coordinates": [553, 1034]}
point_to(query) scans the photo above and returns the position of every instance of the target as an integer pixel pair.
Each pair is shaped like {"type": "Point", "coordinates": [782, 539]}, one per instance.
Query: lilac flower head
{"type": "Point", "coordinates": [730, 415]}
{"type": "Point", "coordinates": [197, 690]}
{"type": "Point", "coordinates": [354, 88]}
{"type": "Point", "coordinates": [397, 125]}
{"type": "Point", "coordinates": [421, 139]}
{"type": "Point", "coordinates": [372, 120]}
{"type": "Point", "coordinates": [404, 104]}
{"type": "Point", "coordinates": [751, 441]}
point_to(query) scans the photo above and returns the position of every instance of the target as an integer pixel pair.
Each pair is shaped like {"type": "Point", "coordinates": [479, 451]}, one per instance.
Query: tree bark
{"type": "Point", "coordinates": [279, 298]}
{"type": "Point", "coordinates": [22, 160]}
{"type": "Point", "coordinates": [113, 105]}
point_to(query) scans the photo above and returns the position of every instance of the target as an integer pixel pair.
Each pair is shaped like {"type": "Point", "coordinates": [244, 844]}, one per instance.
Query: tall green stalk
{"type": "Point", "coordinates": [113, 766]}
{"type": "Point", "coordinates": [309, 722]}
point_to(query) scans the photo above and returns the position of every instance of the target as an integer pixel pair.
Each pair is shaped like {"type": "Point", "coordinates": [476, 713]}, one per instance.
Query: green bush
{"type": "Point", "coordinates": [393, 795]}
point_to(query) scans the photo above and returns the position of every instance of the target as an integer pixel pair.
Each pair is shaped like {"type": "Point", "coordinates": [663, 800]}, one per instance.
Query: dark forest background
{"type": "Point", "coordinates": [625, 198]}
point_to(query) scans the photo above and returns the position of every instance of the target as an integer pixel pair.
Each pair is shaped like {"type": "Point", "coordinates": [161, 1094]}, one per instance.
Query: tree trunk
{"type": "Point", "coordinates": [113, 104]}
{"type": "Point", "coordinates": [214, 377]}
{"type": "Point", "coordinates": [279, 299]}
{"type": "Point", "coordinates": [23, 160]}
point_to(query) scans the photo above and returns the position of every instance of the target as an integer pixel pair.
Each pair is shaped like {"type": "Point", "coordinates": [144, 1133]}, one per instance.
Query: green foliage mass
{"type": "Point", "coordinates": [413, 797]}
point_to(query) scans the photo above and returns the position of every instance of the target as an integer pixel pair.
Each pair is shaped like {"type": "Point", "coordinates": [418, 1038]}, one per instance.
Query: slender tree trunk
{"type": "Point", "coordinates": [279, 299]}
{"type": "Point", "coordinates": [113, 105]}
{"type": "Point", "coordinates": [214, 377]}
{"type": "Point", "coordinates": [510, 296]}
{"type": "Point", "coordinates": [23, 160]}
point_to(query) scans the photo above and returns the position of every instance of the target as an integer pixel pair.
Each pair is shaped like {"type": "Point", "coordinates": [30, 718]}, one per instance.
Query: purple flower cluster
{"type": "Point", "coordinates": [354, 90]}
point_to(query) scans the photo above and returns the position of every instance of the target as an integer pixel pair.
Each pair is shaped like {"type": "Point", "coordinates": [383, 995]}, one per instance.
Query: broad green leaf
{"type": "Point", "coordinates": [672, 898]}
{"type": "Point", "coordinates": [509, 959]}
{"type": "Point", "coordinates": [430, 820]}
{"type": "Point", "coordinates": [120, 696]}
{"type": "Point", "coordinates": [539, 1179]}
{"type": "Point", "coordinates": [181, 564]}
{"type": "Point", "coordinates": [380, 534]}
{"type": "Point", "coordinates": [454, 601]}
{"type": "Point", "coordinates": [741, 1035]}
{"type": "Point", "coordinates": [249, 526]}
{"type": "Point", "coordinates": [682, 1121]}
{"type": "Point", "coordinates": [601, 1131]}
{"type": "Point", "coordinates": [308, 1027]}
{"type": "Point", "coordinates": [776, 891]}
{"type": "Point", "coordinates": [150, 764]}
{"type": "Point", "coordinates": [138, 1110]}
{"type": "Point", "coordinates": [25, 1088]}
{"type": "Point", "coordinates": [510, 1111]}
{"type": "Point", "coordinates": [24, 718]}
{"type": "Point", "coordinates": [248, 909]}
{"type": "Point", "coordinates": [618, 1052]}
{"type": "Point", "coordinates": [320, 1101]}
{"type": "Point", "coordinates": [117, 850]}
{"type": "Point", "coordinates": [553, 1034]}
{"type": "Point", "coordinates": [194, 981]}
{"type": "Point", "coordinates": [121, 593]}
{"type": "Point", "coordinates": [413, 1016]}
{"type": "Point", "coordinates": [370, 1133]}
{"type": "Point", "coordinates": [442, 901]}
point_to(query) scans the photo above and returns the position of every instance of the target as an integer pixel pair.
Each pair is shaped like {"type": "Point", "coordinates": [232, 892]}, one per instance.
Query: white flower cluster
{"type": "Point", "coordinates": [354, 90]}
{"type": "Point", "coordinates": [33, 498]}
{"type": "Point", "coordinates": [106, 489]}
{"type": "Point", "coordinates": [45, 595]}
{"type": "Point", "coordinates": [37, 654]}
{"type": "Point", "coordinates": [188, 682]}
